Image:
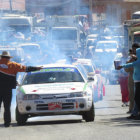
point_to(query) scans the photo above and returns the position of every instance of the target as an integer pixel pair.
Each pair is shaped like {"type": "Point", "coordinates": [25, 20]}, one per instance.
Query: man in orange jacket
{"type": "Point", "coordinates": [8, 72]}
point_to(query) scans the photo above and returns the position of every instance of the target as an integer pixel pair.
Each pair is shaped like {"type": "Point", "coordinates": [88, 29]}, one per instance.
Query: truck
{"type": "Point", "coordinates": [131, 32]}
{"type": "Point", "coordinates": [15, 23]}
{"type": "Point", "coordinates": [66, 33]}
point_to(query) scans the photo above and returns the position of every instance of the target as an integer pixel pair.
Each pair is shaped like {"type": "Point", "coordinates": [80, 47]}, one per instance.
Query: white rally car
{"type": "Point", "coordinates": [54, 90]}
{"type": "Point", "coordinates": [97, 84]}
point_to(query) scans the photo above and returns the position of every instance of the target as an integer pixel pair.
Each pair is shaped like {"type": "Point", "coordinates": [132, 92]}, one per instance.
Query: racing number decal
{"type": "Point", "coordinates": [53, 106]}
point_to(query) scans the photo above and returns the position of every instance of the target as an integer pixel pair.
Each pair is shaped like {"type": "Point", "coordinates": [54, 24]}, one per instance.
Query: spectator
{"type": "Point", "coordinates": [136, 78]}
{"type": "Point", "coordinates": [134, 112]}
{"type": "Point", "coordinates": [130, 82]}
{"type": "Point", "coordinates": [123, 80]}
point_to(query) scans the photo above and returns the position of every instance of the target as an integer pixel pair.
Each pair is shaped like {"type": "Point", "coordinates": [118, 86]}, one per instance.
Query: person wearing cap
{"type": "Point", "coordinates": [136, 77]}
{"type": "Point", "coordinates": [8, 72]}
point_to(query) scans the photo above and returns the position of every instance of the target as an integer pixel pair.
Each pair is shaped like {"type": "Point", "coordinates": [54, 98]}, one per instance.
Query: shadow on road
{"type": "Point", "coordinates": [106, 107]}
{"type": "Point", "coordinates": [48, 122]}
{"type": "Point", "coordinates": [121, 121]}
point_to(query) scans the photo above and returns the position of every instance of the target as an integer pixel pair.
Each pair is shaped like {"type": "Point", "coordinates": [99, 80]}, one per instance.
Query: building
{"type": "Point", "coordinates": [12, 5]}
{"type": "Point", "coordinates": [109, 11]}
{"type": "Point", "coordinates": [115, 11]}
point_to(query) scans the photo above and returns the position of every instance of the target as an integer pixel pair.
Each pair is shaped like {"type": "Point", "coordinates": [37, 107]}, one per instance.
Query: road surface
{"type": "Point", "coordinates": [110, 124]}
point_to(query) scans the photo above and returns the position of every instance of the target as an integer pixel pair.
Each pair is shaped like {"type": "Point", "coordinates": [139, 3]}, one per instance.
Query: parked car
{"type": "Point", "coordinates": [91, 41]}
{"type": "Point", "coordinates": [93, 36]}
{"type": "Point", "coordinates": [54, 90]}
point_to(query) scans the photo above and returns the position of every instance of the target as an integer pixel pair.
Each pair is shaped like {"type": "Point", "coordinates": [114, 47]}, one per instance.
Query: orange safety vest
{"type": "Point", "coordinates": [8, 71]}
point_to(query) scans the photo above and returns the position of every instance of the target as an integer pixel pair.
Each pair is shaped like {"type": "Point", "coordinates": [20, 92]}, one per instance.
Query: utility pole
{"type": "Point", "coordinates": [90, 12]}
{"type": "Point", "coordinates": [10, 3]}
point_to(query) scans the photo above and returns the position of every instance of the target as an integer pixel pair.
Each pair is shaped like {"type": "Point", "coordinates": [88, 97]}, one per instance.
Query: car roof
{"type": "Point", "coordinates": [10, 48]}
{"type": "Point", "coordinates": [93, 35]}
{"type": "Point", "coordinates": [107, 41]}
{"type": "Point", "coordinates": [64, 27]}
{"type": "Point", "coordinates": [137, 12]}
{"type": "Point", "coordinates": [83, 61]}
{"type": "Point", "coordinates": [91, 39]}
{"type": "Point", "coordinates": [29, 44]}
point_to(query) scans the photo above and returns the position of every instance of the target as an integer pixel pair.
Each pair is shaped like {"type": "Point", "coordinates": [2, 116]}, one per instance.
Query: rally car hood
{"type": "Point", "coordinates": [54, 88]}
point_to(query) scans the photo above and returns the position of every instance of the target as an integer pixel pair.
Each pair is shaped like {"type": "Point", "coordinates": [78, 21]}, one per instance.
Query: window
{"type": "Point", "coordinates": [53, 77]}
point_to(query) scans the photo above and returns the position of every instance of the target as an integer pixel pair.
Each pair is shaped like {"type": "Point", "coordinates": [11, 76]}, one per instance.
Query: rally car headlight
{"type": "Point", "coordinates": [78, 94]}
{"type": "Point", "coordinates": [31, 97]}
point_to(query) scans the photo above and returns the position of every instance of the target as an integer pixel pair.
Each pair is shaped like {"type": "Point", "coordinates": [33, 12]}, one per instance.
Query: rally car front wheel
{"type": "Point", "coordinates": [89, 116]}
{"type": "Point", "coordinates": [20, 118]}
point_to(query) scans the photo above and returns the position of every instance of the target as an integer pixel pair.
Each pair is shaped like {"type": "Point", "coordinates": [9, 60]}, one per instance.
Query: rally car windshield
{"type": "Point", "coordinates": [53, 76]}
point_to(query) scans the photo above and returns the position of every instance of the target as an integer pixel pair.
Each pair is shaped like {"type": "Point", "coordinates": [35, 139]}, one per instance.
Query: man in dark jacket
{"type": "Point", "coordinates": [8, 72]}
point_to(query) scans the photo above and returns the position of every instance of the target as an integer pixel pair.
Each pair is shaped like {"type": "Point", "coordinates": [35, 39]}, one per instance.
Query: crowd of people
{"type": "Point", "coordinates": [130, 81]}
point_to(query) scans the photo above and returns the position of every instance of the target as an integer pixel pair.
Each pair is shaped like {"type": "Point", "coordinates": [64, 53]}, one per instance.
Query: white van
{"type": "Point", "coordinates": [107, 46]}
{"type": "Point", "coordinates": [136, 15]}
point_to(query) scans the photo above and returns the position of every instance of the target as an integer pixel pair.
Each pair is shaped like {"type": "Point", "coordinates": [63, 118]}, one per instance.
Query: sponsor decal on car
{"type": "Point", "coordinates": [85, 86]}
{"type": "Point", "coordinates": [55, 106]}
{"type": "Point", "coordinates": [63, 69]}
{"type": "Point", "coordinates": [22, 90]}
{"type": "Point", "coordinates": [38, 102]}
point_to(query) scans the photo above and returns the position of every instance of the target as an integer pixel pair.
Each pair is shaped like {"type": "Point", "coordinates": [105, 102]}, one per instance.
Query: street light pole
{"type": "Point", "coordinates": [10, 3]}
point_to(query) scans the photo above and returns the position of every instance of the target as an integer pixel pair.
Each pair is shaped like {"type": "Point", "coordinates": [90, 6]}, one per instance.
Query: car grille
{"type": "Point", "coordinates": [42, 107]}
{"type": "Point", "coordinates": [67, 105]}
{"type": "Point", "coordinates": [54, 96]}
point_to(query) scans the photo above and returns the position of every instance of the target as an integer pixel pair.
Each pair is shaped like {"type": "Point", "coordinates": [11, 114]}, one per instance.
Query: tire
{"type": "Point", "coordinates": [20, 118]}
{"type": "Point", "coordinates": [89, 115]}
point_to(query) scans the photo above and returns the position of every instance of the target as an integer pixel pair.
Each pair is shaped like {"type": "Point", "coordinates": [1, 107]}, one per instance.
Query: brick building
{"type": "Point", "coordinates": [111, 11]}
{"type": "Point", "coordinates": [7, 5]}
{"type": "Point", "coordinates": [116, 11]}
{"type": "Point", "coordinates": [58, 7]}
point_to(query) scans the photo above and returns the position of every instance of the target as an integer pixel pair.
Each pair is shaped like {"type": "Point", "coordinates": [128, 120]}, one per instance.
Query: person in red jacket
{"type": "Point", "coordinates": [8, 72]}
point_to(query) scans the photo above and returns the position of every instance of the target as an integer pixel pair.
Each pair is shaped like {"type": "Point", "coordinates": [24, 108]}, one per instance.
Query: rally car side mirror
{"type": "Point", "coordinates": [90, 78]}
